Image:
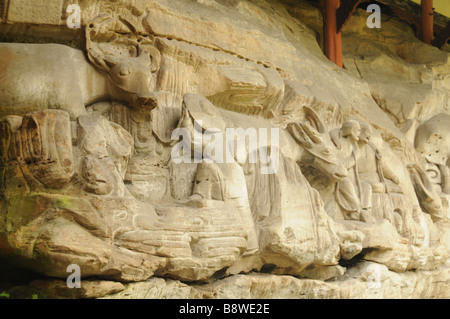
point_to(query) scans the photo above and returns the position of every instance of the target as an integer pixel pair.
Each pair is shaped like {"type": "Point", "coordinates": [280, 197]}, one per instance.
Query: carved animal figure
{"type": "Point", "coordinates": [315, 143]}
{"type": "Point", "coordinates": [276, 207]}
{"type": "Point", "coordinates": [41, 76]}
{"type": "Point", "coordinates": [314, 138]}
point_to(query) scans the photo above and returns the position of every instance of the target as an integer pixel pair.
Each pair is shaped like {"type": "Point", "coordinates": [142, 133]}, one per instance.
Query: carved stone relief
{"type": "Point", "coordinates": [163, 157]}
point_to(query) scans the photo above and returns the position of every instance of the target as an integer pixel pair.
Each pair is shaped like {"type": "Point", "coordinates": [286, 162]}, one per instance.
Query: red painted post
{"type": "Point", "coordinates": [338, 60]}
{"type": "Point", "coordinates": [333, 47]}
{"type": "Point", "coordinates": [427, 21]}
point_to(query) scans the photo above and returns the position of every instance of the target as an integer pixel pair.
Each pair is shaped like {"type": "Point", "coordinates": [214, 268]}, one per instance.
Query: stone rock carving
{"type": "Point", "coordinates": [133, 73]}
{"type": "Point", "coordinates": [352, 195]}
{"type": "Point", "coordinates": [40, 146]}
{"type": "Point", "coordinates": [285, 164]}
{"type": "Point", "coordinates": [431, 139]}
{"type": "Point", "coordinates": [432, 142]}
{"type": "Point", "coordinates": [62, 78]}
{"type": "Point", "coordinates": [96, 223]}
{"type": "Point", "coordinates": [372, 169]}
{"type": "Point", "coordinates": [388, 199]}
{"type": "Point", "coordinates": [319, 149]}
{"type": "Point", "coordinates": [282, 227]}
{"type": "Point", "coordinates": [216, 180]}
{"type": "Point", "coordinates": [432, 180]}
{"type": "Point", "coordinates": [256, 91]}
{"type": "Point", "coordinates": [430, 199]}
{"type": "Point", "coordinates": [388, 208]}
{"type": "Point", "coordinates": [106, 149]}
{"type": "Point", "coordinates": [147, 172]}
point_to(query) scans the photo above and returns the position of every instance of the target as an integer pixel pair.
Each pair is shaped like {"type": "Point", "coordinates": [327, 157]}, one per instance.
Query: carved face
{"type": "Point", "coordinates": [364, 136]}
{"type": "Point", "coordinates": [96, 176]}
{"type": "Point", "coordinates": [435, 148]}
{"type": "Point", "coordinates": [136, 78]}
{"type": "Point", "coordinates": [352, 130]}
{"type": "Point", "coordinates": [432, 141]}
{"type": "Point", "coordinates": [328, 161]}
{"type": "Point", "coordinates": [133, 74]}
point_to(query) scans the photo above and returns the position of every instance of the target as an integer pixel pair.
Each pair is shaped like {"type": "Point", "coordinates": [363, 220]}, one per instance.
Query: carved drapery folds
{"type": "Point", "coordinates": [40, 146]}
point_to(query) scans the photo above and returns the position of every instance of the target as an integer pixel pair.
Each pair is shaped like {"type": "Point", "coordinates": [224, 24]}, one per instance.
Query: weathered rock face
{"type": "Point", "coordinates": [366, 281]}
{"type": "Point", "coordinates": [199, 140]}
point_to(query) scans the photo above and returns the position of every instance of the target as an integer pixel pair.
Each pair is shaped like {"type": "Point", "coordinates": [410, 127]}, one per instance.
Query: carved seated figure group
{"type": "Point", "coordinates": [90, 179]}
{"type": "Point", "coordinates": [368, 176]}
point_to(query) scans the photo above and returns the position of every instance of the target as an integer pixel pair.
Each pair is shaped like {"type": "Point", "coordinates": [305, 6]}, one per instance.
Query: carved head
{"type": "Point", "coordinates": [351, 129]}
{"type": "Point", "coordinates": [312, 135]}
{"type": "Point", "coordinates": [366, 132]}
{"type": "Point", "coordinates": [432, 141]}
{"type": "Point", "coordinates": [133, 72]}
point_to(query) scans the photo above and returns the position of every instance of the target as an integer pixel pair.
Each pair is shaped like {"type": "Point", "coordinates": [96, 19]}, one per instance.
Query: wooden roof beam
{"type": "Point", "coordinates": [332, 38]}
{"type": "Point", "coordinates": [427, 21]}
{"type": "Point", "coordinates": [345, 12]}
{"type": "Point", "coordinates": [442, 38]}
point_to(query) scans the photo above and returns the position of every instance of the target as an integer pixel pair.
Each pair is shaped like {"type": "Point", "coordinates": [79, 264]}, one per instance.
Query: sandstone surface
{"type": "Point", "coordinates": [340, 187]}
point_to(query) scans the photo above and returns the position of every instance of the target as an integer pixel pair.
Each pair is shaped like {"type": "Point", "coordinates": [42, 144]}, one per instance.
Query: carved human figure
{"type": "Point", "coordinates": [373, 170]}
{"type": "Point", "coordinates": [371, 167]}
{"type": "Point", "coordinates": [224, 181]}
{"type": "Point", "coordinates": [146, 176]}
{"type": "Point", "coordinates": [64, 182]}
{"type": "Point", "coordinates": [353, 196]}
{"type": "Point", "coordinates": [105, 150]}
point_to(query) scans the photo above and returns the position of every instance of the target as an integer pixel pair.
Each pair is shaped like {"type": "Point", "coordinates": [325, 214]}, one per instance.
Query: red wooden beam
{"type": "Point", "coordinates": [338, 50]}
{"type": "Point", "coordinates": [427, 21]}
{"type": "Point", "coordinates": [322, 6]}
{"type": "Point", "coordinates": [330, 29]}
{"type": "Point", "coordinates": [345, 12]}
{"type": "Point", "coordinates": [332, 38]}
{"type": "Point", "coordinates": [442, 37]}
{"type": "Point", "coordinates": [4, 5]}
